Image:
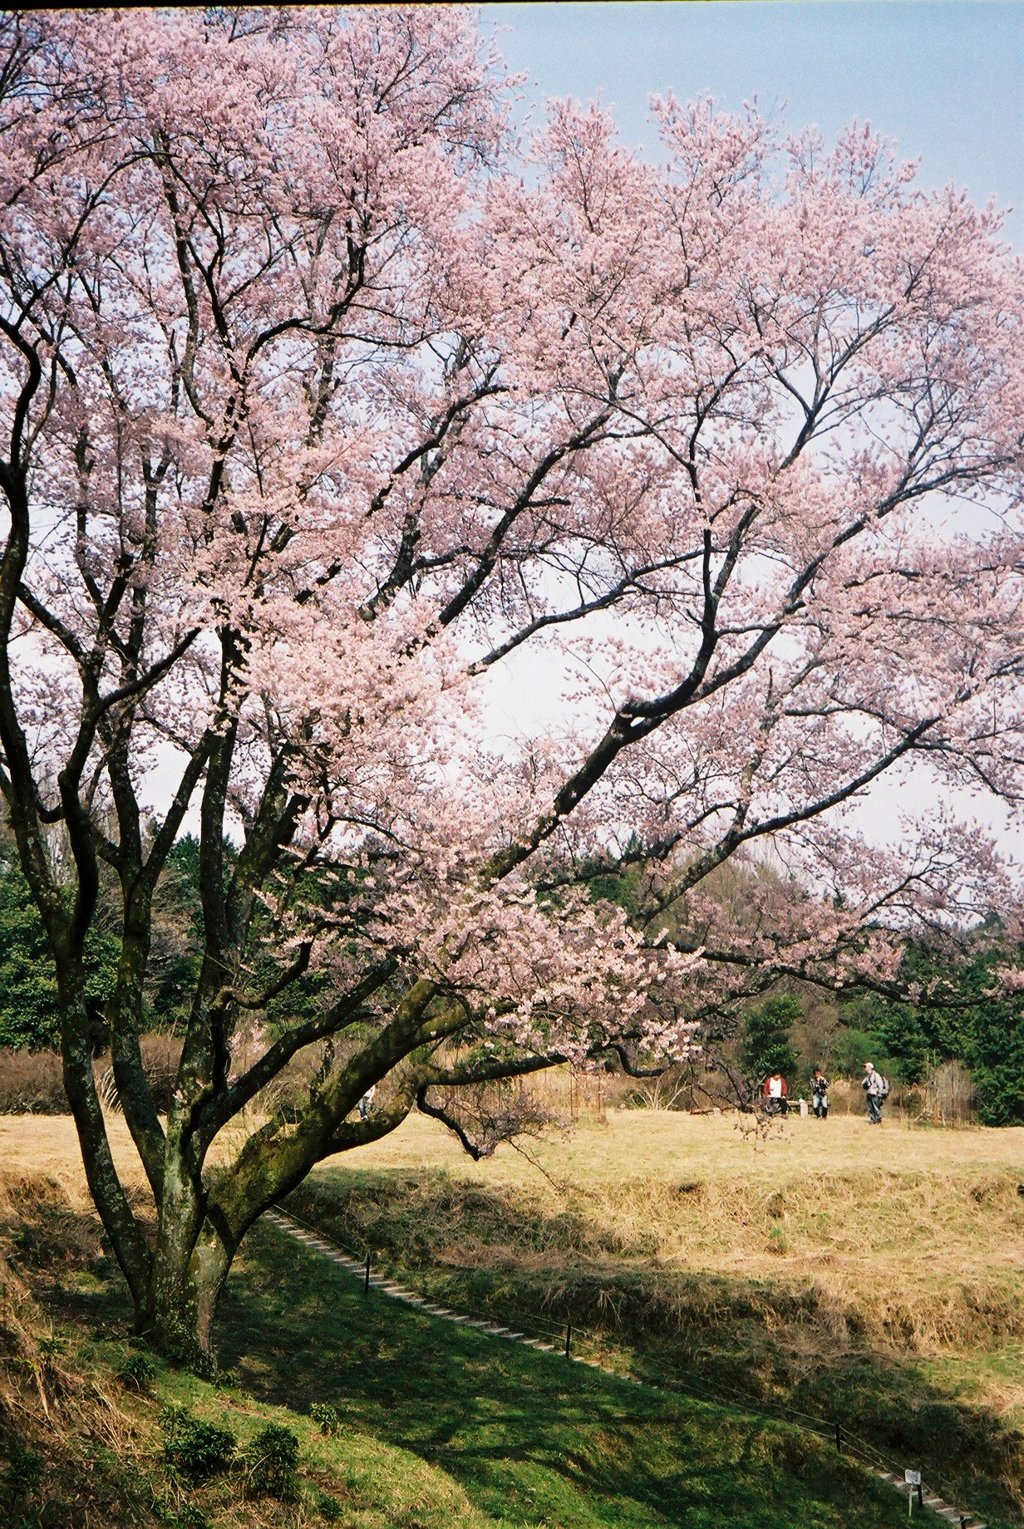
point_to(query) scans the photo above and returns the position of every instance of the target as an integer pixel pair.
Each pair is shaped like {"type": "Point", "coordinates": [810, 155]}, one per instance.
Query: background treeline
{"type": "Point", "coordinates": [956, 1021]}
{"type": "Point", "coordinates": [28, 988]}
{"type": "Point", "coordinates": [955, 1036]}
{"type": "Point", "coordinates": [795, 1028]}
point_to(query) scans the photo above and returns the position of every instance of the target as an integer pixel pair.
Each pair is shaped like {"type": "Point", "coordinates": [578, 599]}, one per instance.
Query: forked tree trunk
{"type": "Point", "coordinates": [176, 1278]}
{"type": "Point", "coordinates": [188, 1276]}
{"type": "Point", "coordinates": [191, 1257]}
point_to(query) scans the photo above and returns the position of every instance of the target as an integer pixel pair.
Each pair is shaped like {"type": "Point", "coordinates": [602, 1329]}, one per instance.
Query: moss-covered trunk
{"type": "Point", "coordinates": [188, 1277]}
{"type": "Point", "coordinates": [192, 1254]}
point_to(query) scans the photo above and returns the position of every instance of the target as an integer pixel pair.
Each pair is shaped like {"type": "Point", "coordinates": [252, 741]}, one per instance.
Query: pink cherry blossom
{"type": "Point", "coordinates": [325, 410]}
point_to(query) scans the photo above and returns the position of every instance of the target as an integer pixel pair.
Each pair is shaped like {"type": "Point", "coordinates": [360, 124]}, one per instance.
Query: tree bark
{"type": "Point", "coordinates": [190, 1265]}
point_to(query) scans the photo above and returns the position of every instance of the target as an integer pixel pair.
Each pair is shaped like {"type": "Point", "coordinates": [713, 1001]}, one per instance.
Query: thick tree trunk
{"type": "Point", "coordinates": [191, 1258]}
{"type": "Point", "coordinates": [188, 1277]}
{"type": "Point", "coordinates": [175, 1280]}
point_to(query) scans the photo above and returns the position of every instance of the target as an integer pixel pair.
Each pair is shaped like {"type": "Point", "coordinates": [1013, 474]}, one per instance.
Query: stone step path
{"type": "Point", "coordinates": [390, 1288]}
{"type": "Point", "coordinates": [397, 1292]}
{"type": "Point", "coordinates": [942, 1509]}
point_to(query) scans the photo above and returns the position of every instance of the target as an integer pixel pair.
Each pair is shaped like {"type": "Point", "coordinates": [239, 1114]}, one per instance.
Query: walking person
{"type": "Point", "coordinates": [366, 1102]}
{"type": "Point", "coordinates": [877, 1089]}
{"type": "Point", "coordinates": [819, 1094]}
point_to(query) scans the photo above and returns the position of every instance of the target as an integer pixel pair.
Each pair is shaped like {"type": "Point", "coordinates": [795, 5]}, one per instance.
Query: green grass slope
{"type": "Point", "coordinates": [84, 1415]}
{"type": "Point", "coordinates": [872, 1279]}
{"type": "Point", "coordinates": [437, 1425]}
{"type": "Point", "coordinates": [531, 1438]}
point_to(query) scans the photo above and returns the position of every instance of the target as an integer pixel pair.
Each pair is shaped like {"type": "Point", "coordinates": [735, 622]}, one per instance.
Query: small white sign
{"type": "Point", "coordinates": [912, 1478]}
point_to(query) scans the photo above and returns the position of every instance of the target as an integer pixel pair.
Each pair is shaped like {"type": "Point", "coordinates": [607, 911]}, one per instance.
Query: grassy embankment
{"type": "Point", "coordinates": [438, 1425]}
{"type": "Point", "coordinates": [839, 1272]}
{"type": "Point", "coordinates": [83, 1433]}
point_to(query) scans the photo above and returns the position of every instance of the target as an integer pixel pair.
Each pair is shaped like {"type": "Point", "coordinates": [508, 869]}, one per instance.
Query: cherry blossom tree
{"type": "Point", "coordinates": [335, 423]}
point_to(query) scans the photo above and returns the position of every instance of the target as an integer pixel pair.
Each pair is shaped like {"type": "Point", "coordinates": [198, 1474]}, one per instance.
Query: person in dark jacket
{"type": "Point", "coordinates": [819, 1094]}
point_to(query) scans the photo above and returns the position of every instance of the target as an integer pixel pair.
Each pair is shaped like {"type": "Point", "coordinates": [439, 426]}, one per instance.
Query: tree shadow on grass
{"type": "Point", "coordinates": [759, 1343]}
{"type": "Point", "coordinates": [880, 1402]}
{"type": "Point", "coordinates": [532, 1438]}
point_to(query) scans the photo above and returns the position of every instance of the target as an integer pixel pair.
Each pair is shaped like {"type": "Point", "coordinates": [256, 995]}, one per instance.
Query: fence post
{"type": "Point", "coordinates": [568, 1340]}
{"type": "Point", "coordinates": [366, 1277]}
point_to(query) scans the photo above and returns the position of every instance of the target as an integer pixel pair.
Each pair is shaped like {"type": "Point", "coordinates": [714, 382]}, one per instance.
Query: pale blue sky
{"type": "Point", "coordinates": [945, 78]}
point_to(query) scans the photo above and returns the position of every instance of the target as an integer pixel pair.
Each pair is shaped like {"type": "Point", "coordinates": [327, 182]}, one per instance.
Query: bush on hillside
{"type": "Point", "coordinates": [271, 1463]}
{"type": "Point", "coordinates": [196, 1449]}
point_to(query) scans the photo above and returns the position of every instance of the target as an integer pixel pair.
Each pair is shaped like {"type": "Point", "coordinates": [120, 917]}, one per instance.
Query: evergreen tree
{"type": "Point", "coordinates": [765, 1043]}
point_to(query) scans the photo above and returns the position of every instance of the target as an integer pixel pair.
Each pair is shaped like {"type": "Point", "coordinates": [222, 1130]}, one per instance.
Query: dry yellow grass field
{"type": "Point", "coordinates": [826, 1173]}
{"type": "Point", "coordinates": [922, 1229]}
{"type": "Point", "coordinates": [47, 1144]}
{"type": "Point", "coordinates": [893, 1213]}
{"type": "Point", "coordinates": [667, 1144]}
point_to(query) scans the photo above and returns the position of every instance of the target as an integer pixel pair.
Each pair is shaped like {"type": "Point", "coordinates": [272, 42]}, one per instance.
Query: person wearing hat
{"type": "Point", "coordinates": [876, 1088]}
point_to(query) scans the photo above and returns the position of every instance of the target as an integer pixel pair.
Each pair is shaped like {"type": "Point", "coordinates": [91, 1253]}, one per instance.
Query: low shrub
{"type": "Point", "coordinates": [325, 1417]}
{"type": "Point", "coordinates": [180, 1515]}
{"type": "Point", "coordinates": [270, 1463]}
{"type": "Point", "coordinates": [138, 1372]}
{"type": "Point", "coordinates": [21, 1479]}
{"type": "Point", "coordinates": [194, 1448]}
